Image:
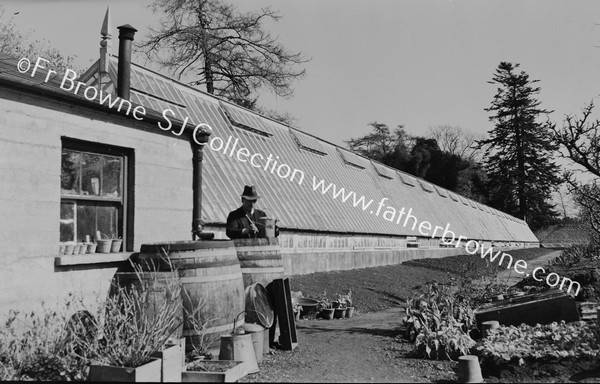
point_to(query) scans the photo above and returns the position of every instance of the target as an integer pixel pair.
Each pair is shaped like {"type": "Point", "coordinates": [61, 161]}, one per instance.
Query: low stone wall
{"type": "Point", "coordinates": [304, 253]}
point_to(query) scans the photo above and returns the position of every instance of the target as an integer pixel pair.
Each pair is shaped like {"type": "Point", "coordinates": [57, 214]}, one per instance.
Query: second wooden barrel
{"type": "Point", "coordinates": [260, 260]}
{"type": "Point", "coordinates": [212, 285]}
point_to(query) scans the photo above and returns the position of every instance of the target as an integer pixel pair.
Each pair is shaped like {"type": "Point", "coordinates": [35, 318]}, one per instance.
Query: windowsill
{"type": "Point", "coordinates": [93, 258]}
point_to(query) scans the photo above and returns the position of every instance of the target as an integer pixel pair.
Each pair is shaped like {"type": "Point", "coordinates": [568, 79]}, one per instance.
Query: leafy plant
{"type": "Point", "coordinates": [324, 302]}
{"type": "Point", "coordinates": [345, 300]}
{"type": "Point", "coordinates": [438, 307]}
{"type": "Point", "coordinates": [446, 343]}
{"type": "Point", "coordinates": [510, 344]}
{"type": "Point", "coordinates": [439, 321]}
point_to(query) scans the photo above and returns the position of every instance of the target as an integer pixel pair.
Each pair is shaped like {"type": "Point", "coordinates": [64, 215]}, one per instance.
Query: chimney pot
{"type": "Point", "coordinates": [126, 33]}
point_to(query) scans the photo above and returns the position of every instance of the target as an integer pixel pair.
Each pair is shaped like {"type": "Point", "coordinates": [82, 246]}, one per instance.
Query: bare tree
{"type": "Point", "coordinates": [456, 141]}
{"type": "Point", "coordinates": [580, 137]}
{"type": "Point", "coordinates": [17, 44]}
{"type": "Point", "coordinates": [228, 52]}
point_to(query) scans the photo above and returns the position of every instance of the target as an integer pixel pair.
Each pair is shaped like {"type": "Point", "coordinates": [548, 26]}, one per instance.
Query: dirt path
{"type": "Point", "coordinates": [360, 349]}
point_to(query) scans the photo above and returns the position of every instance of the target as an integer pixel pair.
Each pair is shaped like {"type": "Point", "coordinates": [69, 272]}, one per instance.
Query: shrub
{"type": "Point", "coordinates": [135, 321]}
{"type": "Point", "coordinates": [38, 346]}
{"type": "Point", "coordinates": [201, 341]}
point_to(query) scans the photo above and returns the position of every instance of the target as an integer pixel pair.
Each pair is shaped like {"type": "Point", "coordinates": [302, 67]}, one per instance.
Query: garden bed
{"type": "Point", "coordinates": [327, 349]}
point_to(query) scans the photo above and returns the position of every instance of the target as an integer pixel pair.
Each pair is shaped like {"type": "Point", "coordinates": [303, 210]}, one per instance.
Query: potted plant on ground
{"type": "Point", "coordinates": [349, 305]}
{"type": "Point", "coordinates": [326, 308]}
{"type": "Point", "coordinates": [131, 332]}
{"type": "Point", "coordinates": [340, 310]}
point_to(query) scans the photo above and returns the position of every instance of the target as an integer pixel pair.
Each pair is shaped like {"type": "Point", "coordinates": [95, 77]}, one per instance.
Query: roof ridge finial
{"type": "Point", "coordinates": [105, 30]}
{"type": "Point", "coordinates": [104, 48]}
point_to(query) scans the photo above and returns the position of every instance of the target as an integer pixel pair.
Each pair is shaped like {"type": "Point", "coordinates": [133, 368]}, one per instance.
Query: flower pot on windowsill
{"type": "Point", "coordinates": [91, 247]}
{"type": "Point", "coordinates": [69, 249]}
{"type": "Point", "coordinates": [116, 245]}
{"type": "Point", "coordinates": [149, 372]}
{"type": "Point", "coordinates": [104, 245]}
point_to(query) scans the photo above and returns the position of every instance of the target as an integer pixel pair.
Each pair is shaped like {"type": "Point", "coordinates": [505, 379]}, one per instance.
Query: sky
{"type": "Point", "coordinates": [417, 63]}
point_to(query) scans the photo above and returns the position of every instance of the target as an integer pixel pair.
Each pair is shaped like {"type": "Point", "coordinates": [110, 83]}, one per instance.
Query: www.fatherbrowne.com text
{"type": "Point", "coordinates": [272, 164]}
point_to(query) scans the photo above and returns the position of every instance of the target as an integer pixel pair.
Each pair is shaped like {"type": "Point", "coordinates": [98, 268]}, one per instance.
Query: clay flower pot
{"type": "Point", "coordinates": [327, 313]}
{"type": "Point", "coordinates": [116, 245]}
{"type": "Point", "coordinates": [349, 311]}
{"type": "Point", "coordinates": [104, 245]}
{"type": "Point", "coordinates": [91, 248]}
{"type": "Point", "coordinates": [69, 249]}
{"type": "Point", "coordinates": [339, 313]}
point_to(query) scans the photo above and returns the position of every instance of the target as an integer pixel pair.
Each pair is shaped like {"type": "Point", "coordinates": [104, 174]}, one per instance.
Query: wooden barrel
{"type": "Point", "coordinates": [212, 285]}
{"type": "Point", "coordinates": [260, 260]}
{"type": "Point", "coordinates": [156, 291]}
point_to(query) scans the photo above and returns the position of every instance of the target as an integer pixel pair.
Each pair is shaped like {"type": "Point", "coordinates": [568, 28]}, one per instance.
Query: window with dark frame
{"type": "Point", "coordinates": [94, 193]}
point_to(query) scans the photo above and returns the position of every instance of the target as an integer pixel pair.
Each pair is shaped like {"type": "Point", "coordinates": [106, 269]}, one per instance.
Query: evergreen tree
{"type": "Point", "coordinates": [518, 154]}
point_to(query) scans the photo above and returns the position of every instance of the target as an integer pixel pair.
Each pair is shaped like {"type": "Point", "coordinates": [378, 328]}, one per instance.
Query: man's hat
{"type": "Point", "coordinates": [250, 193]}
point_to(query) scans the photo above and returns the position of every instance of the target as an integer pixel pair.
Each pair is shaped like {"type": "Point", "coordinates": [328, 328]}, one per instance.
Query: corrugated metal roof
{"type": "Point", "coordinates": [292, 164]}
{"type": "Point", "coordinates": [425, 185]}
{"type": "Point", "coordinates": [441, 191]}
{"type": "Point", "coordinates": [354, 159]}
{"type": "Point", "coordinates": [307, 142]}
{"type": "Point", "coordinates": [243, 118]}
{"type": "Point", "coordinates": [407, 179]}
{"type": "Point", "coordinates": [384, 171]}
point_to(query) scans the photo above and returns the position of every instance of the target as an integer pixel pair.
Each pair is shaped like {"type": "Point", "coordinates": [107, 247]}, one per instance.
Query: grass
{"type": "Point", "coordinates": [379, 288]}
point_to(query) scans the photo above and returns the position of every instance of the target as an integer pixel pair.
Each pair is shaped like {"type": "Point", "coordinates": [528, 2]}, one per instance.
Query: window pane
{"type": "Point", "coordinates": [90, 175]}
{"type": "Point", "coordinates": [111, 177]}
{"type": "Point", "coordinates": [86, 220]}
{"type": "Point", "coordinates": [67, 222]}
{"type": "Point", "coordinates": [108, 220]}
{"type": "Point", "coordinates": [69, 175]}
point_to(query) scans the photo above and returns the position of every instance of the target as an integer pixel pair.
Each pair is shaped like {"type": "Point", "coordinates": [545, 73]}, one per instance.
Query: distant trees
{"type": "Point", "coordinates": [228, 52]}
{"type": "Point", "coordinates": [456, 141]}
{"type": "Point", "coordinates": [519, 151]}
{"type": "Point", "coordinates": [384, 145]}
{"type": "Point", "coordinates": [580, 137]}
{"type": "Point", "coordinates": [421, 157]}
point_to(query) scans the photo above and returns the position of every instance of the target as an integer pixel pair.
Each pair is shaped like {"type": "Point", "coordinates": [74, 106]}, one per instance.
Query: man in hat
{"type": "Point", "coordinates": [242, 223]}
